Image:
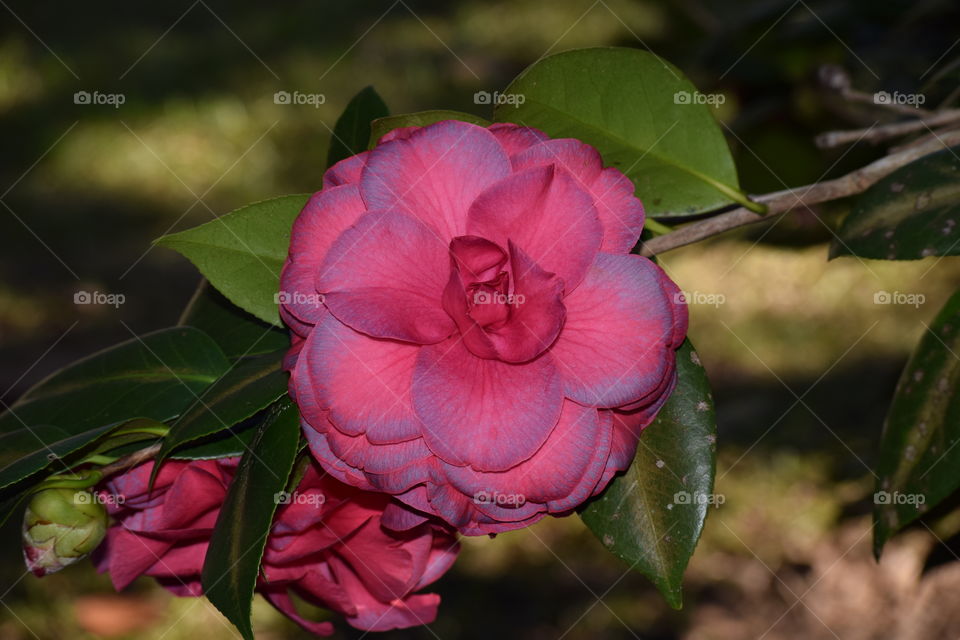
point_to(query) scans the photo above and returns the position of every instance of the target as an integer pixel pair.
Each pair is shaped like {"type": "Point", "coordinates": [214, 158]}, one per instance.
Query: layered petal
{"type": "Point", "coordinates": [434, 174]}
{"type": "Point", "coordinates": [391, 293]}
{"type": "Point", "coordinates": [569, 462]}
{"type": "Point", "coordinates": [620, 212]}
{"type": "Point", "coordinates": [326, 215]}
{"type": "Point", "coordinates": [617, 342]}
{"type": "Point", "coordinates": [347, 171]}
{"type": "Point", "coordinates": [363, 382]}
{"type": "Point", "coordinates": [485, 413]}
{"type": "Point", "coordinates": [546, 213]}
{"type": "Point", "coordinates": [515, 139]}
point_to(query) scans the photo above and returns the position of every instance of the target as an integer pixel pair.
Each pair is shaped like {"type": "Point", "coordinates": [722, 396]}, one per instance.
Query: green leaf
{"type": "Point", "coordinates": [41, 447]}
{"type": "Point", "coordinates": [224, 444]}
{"type": "Point", "coordinates": [16, 444]}
{"type": "Point", "coordinates": [918, 453]}
{"type": "Point", "coordinates": [912, 213]}
{"type": "Point", "coordinates": [352, 131]}
{"type": "Point", "coordinates": [652, 515]}
{"type": "Point", "coordinates": [233, 558]}
{"type": "Point", "coordinates": [251, 385]}
{"type": "Point", "coordinates": [242, 253]}
{"type": "Point", "coordinates": [383, 126]}
{"type": "Point", "coordinates": [624, 102]}
{"type": "Point", "coordinates": [154, 376]}
{"type": "Point", "coordinates": [237, 332]}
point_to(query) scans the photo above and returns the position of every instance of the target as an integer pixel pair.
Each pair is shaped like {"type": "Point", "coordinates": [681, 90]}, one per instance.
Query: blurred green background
{"type": "Point", "coordinates": [802, 360]}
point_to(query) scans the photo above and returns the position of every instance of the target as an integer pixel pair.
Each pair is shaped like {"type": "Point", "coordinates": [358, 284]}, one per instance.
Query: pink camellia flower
{"type": "Point", "coordinates": [327, 545]}
{"type": "Point", "coordinates": [471, 332]}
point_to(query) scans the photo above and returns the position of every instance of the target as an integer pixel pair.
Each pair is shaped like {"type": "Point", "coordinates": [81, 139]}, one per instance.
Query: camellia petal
{"type": "Point", "coordinates": [363, 382]}
{"type": "Point", "coordinates": [326, 215]}
{"type": "Point", "coordinates": [434, 174]}
{"type": "Point", "coordinates": [616, 344]}
{"type": "Point", "coordinates": [485, 413]}
{"type": "Point", "coordinates": [388, 294]}
{"type": "Point", "coordinates": [621, 214]}
{"type": "Point", "coordinates": [547, 214]}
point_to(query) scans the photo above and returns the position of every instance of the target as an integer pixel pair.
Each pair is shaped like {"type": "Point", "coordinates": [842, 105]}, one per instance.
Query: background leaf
{"type": "Point", "coordinates": [233, 558]}
{"type": "Point", "coordinates": [622, 101]}
{"type": "Point", "coordinates": [352, 131]}
{"type": "Point", "coordinates": [652, 515]}
{"type": "Point", "coordinates": [237, 332]}
{"type": "Point", "coordinates": [251, 385]}
{"type": "Point", "coordinates": [383, 126]}
{"type": "Point", "coordinates": [155, 376]}
{"type": "Point", "coordinates": [41, 447]}
{"type": "Point", "coordinates": [912, 213]}
{"type": "Point", "coordinates": [918, 453]}
{"type": "Point", "coordinates": [242, 253]}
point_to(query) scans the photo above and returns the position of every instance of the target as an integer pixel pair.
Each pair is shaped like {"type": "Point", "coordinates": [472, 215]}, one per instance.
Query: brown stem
{"type": "Point", "coordinates": [131, 460]}
{"type": "Point", "coordinates": [789, 199]}
{"type": "Point", "coordinates": [887, 131]}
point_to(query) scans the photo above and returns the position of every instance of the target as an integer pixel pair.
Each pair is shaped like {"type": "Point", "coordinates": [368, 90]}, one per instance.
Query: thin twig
{"type": "Point", "coordinates": [801, 197]}
{"type": "Point", "coordinates": [131, 460]}
{"type": "Point", "coordinates": [853, 95]}
{"type": "Point", "coordinates": [885, 132]}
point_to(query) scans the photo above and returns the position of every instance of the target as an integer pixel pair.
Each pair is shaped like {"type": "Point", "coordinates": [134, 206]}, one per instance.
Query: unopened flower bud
{"type": "Point", "coordinates": [60, 527]}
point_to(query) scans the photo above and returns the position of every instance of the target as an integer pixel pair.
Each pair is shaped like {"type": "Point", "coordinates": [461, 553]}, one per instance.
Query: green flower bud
{"type": "Point", "coordinates": [60, 527]}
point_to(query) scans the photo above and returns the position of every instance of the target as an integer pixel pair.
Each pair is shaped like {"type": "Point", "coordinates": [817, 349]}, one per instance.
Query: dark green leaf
{"type": "Point", "coordinates": [629, 105]}
{"type": "Point", "coordinates": [918, 453]}
{"type": "Point", "coordinates": [155, 376]}
{"type": "Point", "coordinates": [237, 332]}
{"type": "Point", "coordinates": [251, 385]}
{"type": "Point", "coordinates": [383, 126]}
{"type": "Point", "coordinates": [352, 131]}
{"type": "Point", "coordinates": [651, 516]}
{"type": "Point", "coordinates": [233, 558]}
{"type": "Point", "coordinates": [41, 447]}
{"type": "Point", "coordinates": [224, 444]}
{"type": "Point", "coordinates": [912, 213]}
{"type": "Point", "coordinates": [242, 253]}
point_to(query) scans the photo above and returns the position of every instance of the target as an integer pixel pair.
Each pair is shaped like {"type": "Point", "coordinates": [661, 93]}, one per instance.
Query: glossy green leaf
{"type": "Point", "coordinates": [237, 332]}
{"type": "Point", "coordinates": [231, 442]}
{"type": "Point", "coordinates": [652, 515]}
{"type": "Point", "coordinates": [641, 114]}
{"type": "Point", "coordinates": [232, 563]}
{"type": "Point", "coordinates": [912, 213]}
{"type": "Point", "coordinates": [919, 452]}
{"type": "Point", "coordinates": [251, 385]}
{"type": "Point", "coordinates": [16, 444]}
{"type": "Point", "coordinates": [383, 126]}
{"type": "Point", "coordinates": [242, 253]}
{"type": "Point", "coordinates": [352, 131]}
{"type": "Point", "coordinates": [154, 376]}
{"type": "Point", "coordinates": [32, 450]}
